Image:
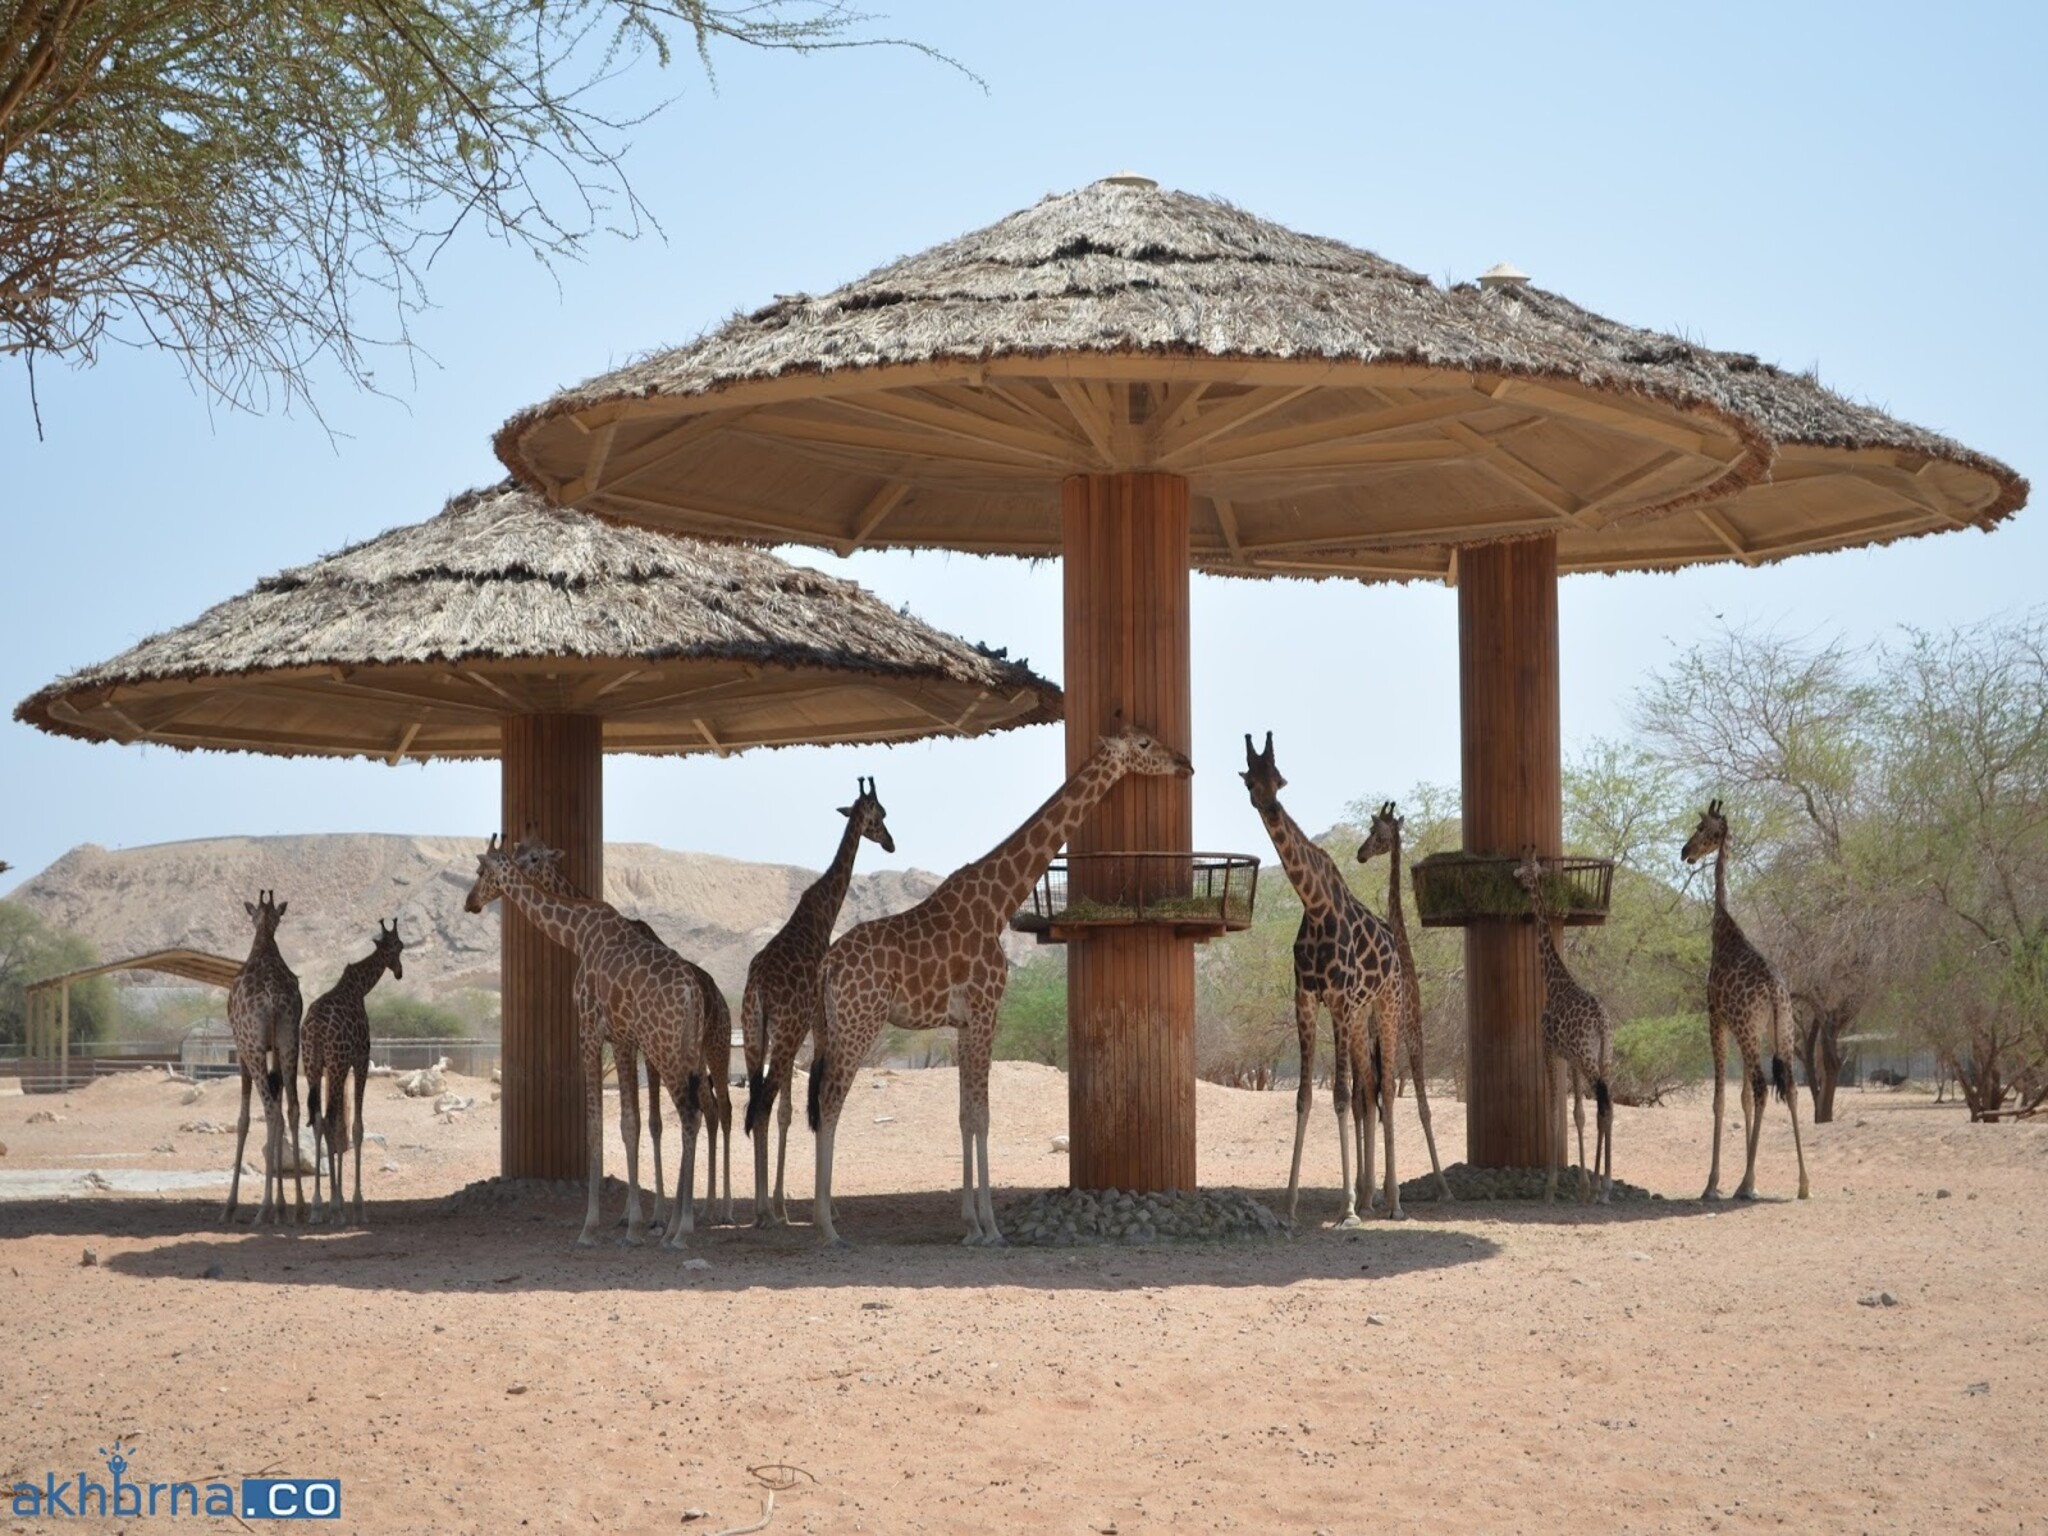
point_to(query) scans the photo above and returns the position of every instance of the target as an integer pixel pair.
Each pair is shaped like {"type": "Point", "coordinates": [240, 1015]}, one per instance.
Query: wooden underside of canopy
{"type": "Point", "coordinates": [1295, 467]}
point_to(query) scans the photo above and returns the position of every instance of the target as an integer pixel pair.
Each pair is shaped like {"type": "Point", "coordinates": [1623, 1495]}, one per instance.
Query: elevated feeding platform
{"type": "Point", "coordinates": [1196, 896]}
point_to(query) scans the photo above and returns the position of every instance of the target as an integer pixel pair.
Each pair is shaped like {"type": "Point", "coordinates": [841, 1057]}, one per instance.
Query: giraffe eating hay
{"type": "Point", "coordinates": [1746, 998]}
{"type": "Point", "coordinates": [1578, 1038]}
{"type": "Point", "coordinates": [646, 998]}
{"type": "Point", "coordinates": [263, 1012]}
{"type": "Point", "coordinates": [1384, 836]}
{"type": "Point", "coordinates": [783, 1002]}
{"type": "Point", "coordinates": [1346, 960]}
{"type": "Point", "coordinates": [942, 962]}
{"type": "Point", "coordinates": [714, 1097]}
{"type": "Point", "coordinates": [334, 1042]}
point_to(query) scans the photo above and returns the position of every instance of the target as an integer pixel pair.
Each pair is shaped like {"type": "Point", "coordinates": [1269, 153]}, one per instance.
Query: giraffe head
{"type": "Point", "coordinates": [540, 861]}
{"type": "Point", "coordinates": [1384, 836]}
{"type": "Point", "coordinates": [266, 912]}
{"type": "Point", "coordinates": [1710, 836]}
{"type": "Point", "coordinates": [866, 813]}
{"type": "Point", "coordinates": [1529, 873]}
{"type": "Point", "coordinates": [1130, 750]}
{"type": "Point", "coordinates": [1261, 775]}
{"type": "Point", "coordinates": [492, 866]}
{"type": "Point", "coordinates": [389, 947]}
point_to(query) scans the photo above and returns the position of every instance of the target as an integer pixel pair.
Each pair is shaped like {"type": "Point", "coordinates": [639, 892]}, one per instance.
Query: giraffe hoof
{"type": "Point", "coordinates": [586, 1241]}
{"type": "Point", "coordinates": [1711, 1193]}
{"type": "Point", "coordinates": [1397, 1214]}
{"type": "Point", "coordinates": [1350, 1223]}
{"type": "Point", "coordinates": [1745, 1194]}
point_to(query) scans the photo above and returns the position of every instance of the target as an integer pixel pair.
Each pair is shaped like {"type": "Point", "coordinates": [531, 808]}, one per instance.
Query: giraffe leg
{"type": "Point", "coordinates": [1603, 1141]}
{"type": "Point", "coordinates": [291, 1099]}
{"type": "Point", "coordinates": [241, 1146]}
{"type": "Point", "coordinates": [1343, 1038]}
{"type": "Point", "coordinates": [362, 1082]}
{"type": "Point", "coordinates": [684, 1096]}
{"type": "Point", "coordinates": [1416, 1072]}
{"type": "Point", "coordinates": [725, 1129]}
{"type": "Point", "coordinates": [1752, 1123]}
{"type": "Point", "coordinates": [1579, 1120]}
{"type": "Point", "coordinates": [764, 1215]}
{"type": "Point", "coordinates": [1719, 1040]}
{"type": "Point", "coordinates": [849, 1033]}
{"type": "Point", "coordinates": [659, 1221]}
{"type": "Point", "coordinates": [1798, 1151]}
{"type": "Point", "coordinates": [316, 1121]}
{"type": "Point", "coordinates": [626, 1063]}
{"type": "Point", "coordinates": [977, 1199]}
{"type": "Point", "coordinates": [1304, 1093]}
{"type": "Point", "coordinates": [273, 1152]}
{"type": "Point", "coordinates": [1389, 1045]}
{"type": "Point", "coordinates": [785, 1111]}
{"type": "Point", "coordinates": [1553, 1080]}
{"type": "Point", "coordinates": [593, 1130]}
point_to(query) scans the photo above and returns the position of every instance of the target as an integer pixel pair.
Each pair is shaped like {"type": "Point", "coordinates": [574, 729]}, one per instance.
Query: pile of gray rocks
{"type": "Point", "coordinates": [496, 1194]}
{"type": "Point", "coordinates": [1469, 1183]}
{"type": "Point", "coordinates": [1071, 1218]}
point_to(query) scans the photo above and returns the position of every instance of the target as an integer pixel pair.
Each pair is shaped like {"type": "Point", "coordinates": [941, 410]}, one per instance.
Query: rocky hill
{"type": "Point", "coordinates": [716, 911]}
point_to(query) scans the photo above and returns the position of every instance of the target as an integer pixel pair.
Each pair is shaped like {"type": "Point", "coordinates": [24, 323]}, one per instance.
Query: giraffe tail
{"type": "Point", "coordinates": [1781, 1068]}
{"type": "Point", "coordinates": [814, 1111]}
{"type": "Point", "coordinates": [1603, 1097]}
{"type": "Point", "coordinates": [1781, 1078]}
{"type": "Point", "coordinates": [312, 1098]}
{"type": "Point", "coordinates": [760, 1098]}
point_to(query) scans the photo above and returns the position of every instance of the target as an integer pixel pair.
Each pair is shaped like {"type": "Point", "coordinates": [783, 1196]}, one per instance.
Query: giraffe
{"type": "Point", "coordinates": [645, 998]}
{"type": "Point", "coordinates": [1746, 998]}
{"type": "Point", "coordinates": [714, 1095]}
{"type": "Point", "coordinates": [1384, 836]}
{"type": "Point", "coordinates": [1578, 1038]}
{"type": "Point", "coordinates": [1345, 959]}
{"type": "Point", "coordinates": [942, 962]}
{"type": "Point", "coordinates": [334, 1042]}
{"type": "Point", "coordinates": [783, 1004]}
{"type": "Point", "coordinates": [263, 1012]}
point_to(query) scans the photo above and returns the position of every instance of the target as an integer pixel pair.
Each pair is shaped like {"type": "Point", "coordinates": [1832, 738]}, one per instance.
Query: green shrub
{"type": "Point", "coordinates": [1654, 1056]}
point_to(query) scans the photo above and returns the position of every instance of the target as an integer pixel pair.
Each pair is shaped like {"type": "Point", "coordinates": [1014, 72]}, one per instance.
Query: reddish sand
{"type": "Point", "coordinates": [1664, 1366]}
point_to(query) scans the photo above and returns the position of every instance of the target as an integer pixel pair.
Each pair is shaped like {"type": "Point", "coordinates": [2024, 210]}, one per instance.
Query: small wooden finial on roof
{"type": "Point", "coordinates": [1131, 179]}
{"type": "Point", "coordinates": [1503, 275]}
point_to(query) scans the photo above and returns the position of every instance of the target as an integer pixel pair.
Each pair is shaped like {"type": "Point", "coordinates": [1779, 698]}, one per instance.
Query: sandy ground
{"type": "Point", "coordinates": [1657, 1367]}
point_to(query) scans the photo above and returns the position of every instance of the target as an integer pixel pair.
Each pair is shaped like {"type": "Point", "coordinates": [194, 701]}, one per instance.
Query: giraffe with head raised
{"type": "Point", "coordinates": [263, 1013]}
{"type": "Point", "coordinates": [941, 963]}
{"type": "Point", "coordinates": [1346, 961]}
{"type": "Point", "coordinates": [784, 1002]}
{"type": "Point", "coordinates": [647, 1000]}
{"type": "Point", "coordinates": [1746, 998]}
{"type": "Point", "coordinates": [714, 1094]}
{"type": "Point", "coordinates": [1578, 1040]}
{"type": "Point", "coordinates": [334, 1044]}
{"type": "Point", "coordinates": [1384, 836]}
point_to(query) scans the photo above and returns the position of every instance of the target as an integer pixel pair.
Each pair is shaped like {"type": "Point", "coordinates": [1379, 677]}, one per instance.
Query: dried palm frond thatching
{"type": "Point", "coordinates": [418, 642]}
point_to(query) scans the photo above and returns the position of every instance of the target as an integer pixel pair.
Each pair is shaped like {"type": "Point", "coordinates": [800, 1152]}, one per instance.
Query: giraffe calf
{"type": "Point", "coordinates": [335, 1044]}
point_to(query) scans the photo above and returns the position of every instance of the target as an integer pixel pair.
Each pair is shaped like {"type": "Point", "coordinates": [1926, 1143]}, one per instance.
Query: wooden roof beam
{"type": "Point", "coordinates": [879, 506]}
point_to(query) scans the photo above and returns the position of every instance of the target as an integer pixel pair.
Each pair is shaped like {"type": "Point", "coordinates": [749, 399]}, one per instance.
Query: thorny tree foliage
{"type": "Point", "coordinates": [232, 180]}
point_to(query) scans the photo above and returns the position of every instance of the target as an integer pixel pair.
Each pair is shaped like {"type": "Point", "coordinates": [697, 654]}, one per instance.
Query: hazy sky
{"type": "Point", "coordinates": [1858, 187]}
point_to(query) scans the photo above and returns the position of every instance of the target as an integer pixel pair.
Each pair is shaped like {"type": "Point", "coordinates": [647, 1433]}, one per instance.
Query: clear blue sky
{"type": "Point", "coordinates": [1859, 187]}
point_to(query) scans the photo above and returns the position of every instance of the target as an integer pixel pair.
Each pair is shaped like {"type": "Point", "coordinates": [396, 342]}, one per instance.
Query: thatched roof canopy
{"type": "Point", "coordinates": [1845, 473]}
{"type": "Point", "coordinates": [1333, 411]}
{"type": "Point", "coordinates": [417, 643]}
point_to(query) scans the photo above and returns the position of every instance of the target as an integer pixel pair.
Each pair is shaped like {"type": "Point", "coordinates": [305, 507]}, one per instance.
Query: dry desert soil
{"type": "Point", "coordinates": [1658, 1366]}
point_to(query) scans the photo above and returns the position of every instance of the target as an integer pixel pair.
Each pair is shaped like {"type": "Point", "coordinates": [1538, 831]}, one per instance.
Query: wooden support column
{"type": "Point", "coordinates": [1131, 991]}
{"type": "Point", "coordinates": [1513, 799]}
{"type": "Point", "coordinates": [554, 781]}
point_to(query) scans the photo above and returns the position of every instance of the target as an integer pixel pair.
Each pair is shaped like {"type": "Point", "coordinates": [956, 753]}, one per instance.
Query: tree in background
{"type": "Point", "coordinates": [30, 950]}
{"type": "Point", "coordinates": [1032, 1024]}
{"type": "Point", "coordinates": [230, 180]}
{"type": "Point", "coordinates": [1785, 730]}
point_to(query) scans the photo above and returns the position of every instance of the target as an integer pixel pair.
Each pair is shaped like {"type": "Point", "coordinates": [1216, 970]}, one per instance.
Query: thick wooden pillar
{"type": "Point", "coordinates": [1131, 991]}
{"type": "Point", "coordinates": [1513, 798]}
{"type": "Point", "coordinates": [553, 781]}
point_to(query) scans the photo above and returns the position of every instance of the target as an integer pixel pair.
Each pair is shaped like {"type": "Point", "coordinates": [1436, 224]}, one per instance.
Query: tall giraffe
{"type": "Point", "coordinates": [263, 1012]}
{"type": "Point", "coordinates": [1578, 1038]}
{"type": "Point", "coordinates": [1746, 998]}
{"type": "Point", "coordinates": [1384, 836]}
{"type": "Point", "coordinates": [1345, 959]}
{"type": "Point", "coordinates": [714, 1096]}
{"type": "Point", "coordinates": [941, 963]}
{"type": "Point", "coordinates": [334, 1042]}
{"type": "Point", "coordinates": [783, 1002]}
{"type": "Point", "coordinates": [645, 996]}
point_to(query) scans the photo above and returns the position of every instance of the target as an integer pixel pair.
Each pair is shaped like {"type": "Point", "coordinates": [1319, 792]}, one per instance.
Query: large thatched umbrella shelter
{"type": "Point", "coordinates": [508, 628]}
{"type": "Point", "coordinates": [1145, 382]}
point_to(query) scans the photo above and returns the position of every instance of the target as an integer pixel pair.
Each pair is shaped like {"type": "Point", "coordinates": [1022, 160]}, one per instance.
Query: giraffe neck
{"type": "Point", "coordinates": [567, 920]}
{"type": "Point", "coordinates": [1725, 929]}
{"type": "Point", "coordinates": [1396, 920]}
{"type": "Point", "coordinates": [1013, 866]}
{"type": "Point", "coordinates": [263, 953]}
{"type": "Point", "coordinates": [1309, 869]}
{"type": "Point", "coordinates": [1554, 971]}
{"type": "Point", "coordinates": [827, 894]}
{"type": "Point", "coordinates": [358, 976]}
